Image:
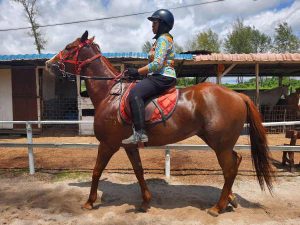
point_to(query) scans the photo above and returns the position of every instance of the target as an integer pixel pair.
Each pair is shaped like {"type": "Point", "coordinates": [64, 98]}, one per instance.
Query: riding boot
{"type": "Point", "coordinates": [138, 118]}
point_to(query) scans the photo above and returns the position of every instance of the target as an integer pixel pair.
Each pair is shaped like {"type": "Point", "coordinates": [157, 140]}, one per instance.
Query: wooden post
{"type": "Point", "coordinates": [220, 70]}
{"type": "Point", "coordinates": [257, 84]}
{"type": "Point", "coordinates": [219, 81]}
{"type": "Point", "coordinates": [280, 81]}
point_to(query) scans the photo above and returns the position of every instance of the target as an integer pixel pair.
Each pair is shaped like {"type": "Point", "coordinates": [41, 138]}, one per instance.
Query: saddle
{"type": "Point", "coordinates": [157, 109]}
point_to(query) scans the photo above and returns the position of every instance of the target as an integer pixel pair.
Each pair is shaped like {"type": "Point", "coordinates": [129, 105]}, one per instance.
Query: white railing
{"type": "Point", "coordinates": [167, 148]}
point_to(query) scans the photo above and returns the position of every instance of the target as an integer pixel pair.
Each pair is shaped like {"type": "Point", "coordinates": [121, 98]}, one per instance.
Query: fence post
{"type": "Point", "coordinates": [167, 162]}
{"type": "Point", "coordinates": [30, 148]}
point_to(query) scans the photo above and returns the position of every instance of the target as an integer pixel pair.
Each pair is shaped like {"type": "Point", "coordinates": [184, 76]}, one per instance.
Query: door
{"type": "Point", "coordinates": [24, 94]}
{"type": "Point", "coordinates": [6, 109]}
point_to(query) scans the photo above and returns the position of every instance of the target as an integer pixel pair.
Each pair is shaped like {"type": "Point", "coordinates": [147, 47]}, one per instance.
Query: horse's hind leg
{"type": "Point", "coordinates": [135, 159]}
{"type": "Point", "coordinates": [232, 198]}
{"type": "Point", "coordinates": [105, 153]}
{"type": "Point", "coordinates": [229, 161]}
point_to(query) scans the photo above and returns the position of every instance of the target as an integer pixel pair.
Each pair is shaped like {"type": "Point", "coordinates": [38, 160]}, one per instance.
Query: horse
{"type": "Point", "coordinates": [292, 103]}
{"type": "Point", "coordinates": [268, 97]}
{"type": "Point", "coordinates": [212, 112]}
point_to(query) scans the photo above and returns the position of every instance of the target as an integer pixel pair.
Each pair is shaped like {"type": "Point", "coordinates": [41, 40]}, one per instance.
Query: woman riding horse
{"type": "Point", "coordinates": [160, 71]}
{"type": "Point", "coordinates": [212, 112]}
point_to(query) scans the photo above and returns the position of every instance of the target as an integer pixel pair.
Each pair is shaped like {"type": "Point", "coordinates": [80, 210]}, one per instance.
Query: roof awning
{"type": "Point", "coordinates": [260, 58]}
{"type": "Point", "coordinates": [189, 65]}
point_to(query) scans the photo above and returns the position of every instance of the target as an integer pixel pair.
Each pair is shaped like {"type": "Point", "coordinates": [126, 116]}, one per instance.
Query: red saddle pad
{"type": "Point", "coordinates": [157, 110]}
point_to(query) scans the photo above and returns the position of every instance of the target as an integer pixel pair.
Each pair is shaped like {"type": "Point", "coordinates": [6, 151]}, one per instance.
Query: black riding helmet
{"type": "Point", "coordinates": [166, 21]}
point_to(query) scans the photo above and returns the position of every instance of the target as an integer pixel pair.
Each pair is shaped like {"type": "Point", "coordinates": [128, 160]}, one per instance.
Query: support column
{"type": "Point", "coordinates": [257, 84]}
{"type": "Point", "coordinates": [280, 81]}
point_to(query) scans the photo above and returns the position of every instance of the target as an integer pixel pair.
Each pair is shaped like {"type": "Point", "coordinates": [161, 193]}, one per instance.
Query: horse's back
{"type": "Point", "coordinates": [215, 102]}
{"type": "Point", "coordinates": [218, 112]}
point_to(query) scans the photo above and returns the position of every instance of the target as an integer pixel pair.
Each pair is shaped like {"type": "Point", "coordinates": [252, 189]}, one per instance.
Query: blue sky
{"type": "Point", "coordinates": [130, 33]}
{"type": "Point", "coordinates": [284, 4]}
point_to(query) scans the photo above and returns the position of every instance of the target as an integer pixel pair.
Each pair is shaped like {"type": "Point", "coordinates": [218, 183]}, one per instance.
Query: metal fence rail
{"type": "Point", "coordinates": [30, 145]}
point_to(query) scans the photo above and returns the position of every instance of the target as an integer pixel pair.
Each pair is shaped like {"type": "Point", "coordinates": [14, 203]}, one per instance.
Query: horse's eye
{"type": "Point", "coordinates": [68, 47]}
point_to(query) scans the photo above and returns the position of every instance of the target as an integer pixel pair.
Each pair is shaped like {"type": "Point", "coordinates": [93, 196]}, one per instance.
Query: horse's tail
{"type": "Point", "coordinates": [259, 148]}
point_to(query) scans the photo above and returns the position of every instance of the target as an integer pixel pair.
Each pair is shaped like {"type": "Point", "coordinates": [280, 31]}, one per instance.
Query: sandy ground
{"type": "Point", "coordinates": [54, 196]}
{"type": "Point", "coordinates": [39, 199]}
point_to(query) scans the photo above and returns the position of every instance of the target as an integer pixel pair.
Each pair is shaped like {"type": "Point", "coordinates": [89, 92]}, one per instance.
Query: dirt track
{"type": "Point", "coordinates": [42, 200]}
{"type": "Point", "coordinates": [55, 197]}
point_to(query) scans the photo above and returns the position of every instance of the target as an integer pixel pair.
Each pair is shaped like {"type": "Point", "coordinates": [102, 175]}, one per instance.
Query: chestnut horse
{"type": "Point", "coordinates": [212, 112]}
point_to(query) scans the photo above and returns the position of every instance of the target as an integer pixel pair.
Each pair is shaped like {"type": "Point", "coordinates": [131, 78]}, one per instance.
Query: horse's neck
{"type": "Point", "coordinates": [98, 89]}
{"type": "Point", "coordinates": [279, 91]}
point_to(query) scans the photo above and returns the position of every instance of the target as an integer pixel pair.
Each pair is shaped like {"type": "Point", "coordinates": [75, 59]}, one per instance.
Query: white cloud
{"type": "Point", "coordinates": [130, 33]}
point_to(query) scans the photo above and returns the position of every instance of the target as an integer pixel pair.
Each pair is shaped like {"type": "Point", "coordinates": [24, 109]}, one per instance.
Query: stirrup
{"type": "Point", "coordinates": [136, 137]}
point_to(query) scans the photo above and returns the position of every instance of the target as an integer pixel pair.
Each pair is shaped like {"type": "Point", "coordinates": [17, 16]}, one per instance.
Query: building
{"type": "Point", "coordinates": [28, 92]}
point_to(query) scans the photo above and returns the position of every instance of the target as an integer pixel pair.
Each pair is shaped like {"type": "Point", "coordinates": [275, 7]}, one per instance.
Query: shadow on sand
{"type": "Point", "coordinates": [164, 195]}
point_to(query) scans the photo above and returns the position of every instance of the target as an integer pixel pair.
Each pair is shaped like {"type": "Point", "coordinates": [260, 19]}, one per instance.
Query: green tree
{"type": "Point", "coordinates": [268, 83]}
{"type": "Point", "coordinates": [207, 40]}
{"type": "Point", "coordinates": [245, 39]}
{"type": "Point", "coordinates": [285, 40]}
{"type": "Point", "coordinates": [147, 46]}
{"type": "Point", "coordinates": [260, 42]}
{"type": "Point", "coordinates": [31, 14]}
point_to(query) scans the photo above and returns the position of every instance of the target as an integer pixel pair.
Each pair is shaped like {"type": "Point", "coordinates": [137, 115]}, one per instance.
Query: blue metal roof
{"type": "Point", "coordinates": [138, 55]}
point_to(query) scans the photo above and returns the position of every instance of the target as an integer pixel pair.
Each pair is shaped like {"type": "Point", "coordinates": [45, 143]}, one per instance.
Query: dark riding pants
{"type": "Point", "coordinates": [144, 90]}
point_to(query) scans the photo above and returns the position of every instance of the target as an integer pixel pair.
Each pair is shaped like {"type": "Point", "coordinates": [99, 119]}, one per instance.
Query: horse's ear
{"type": "Point", "coordinates": [91, 40]}
{"type": "Point", "coordinates": [84, 37]}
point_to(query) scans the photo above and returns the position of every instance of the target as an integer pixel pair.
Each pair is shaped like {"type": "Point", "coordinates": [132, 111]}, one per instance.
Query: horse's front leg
{"type": "Point", "coordinates": [135, 159]}
{"type": "Point", "coordinates": [105, 152]}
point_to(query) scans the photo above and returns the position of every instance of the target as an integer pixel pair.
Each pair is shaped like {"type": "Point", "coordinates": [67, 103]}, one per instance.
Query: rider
{"type": "Point", "coordinates": [159, 73]}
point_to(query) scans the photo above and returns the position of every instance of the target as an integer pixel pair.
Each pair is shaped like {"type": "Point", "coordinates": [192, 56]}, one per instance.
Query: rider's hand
{"type": "Point", "coordinates": [132, 72]}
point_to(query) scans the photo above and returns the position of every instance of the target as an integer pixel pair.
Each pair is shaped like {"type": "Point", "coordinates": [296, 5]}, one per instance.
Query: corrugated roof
{"type": "Point", "coordinates": [254, 58]}
{"type": "Point", "coordinates": [138, 55]}
{"type": "Point", "coordinates": [25, 57]}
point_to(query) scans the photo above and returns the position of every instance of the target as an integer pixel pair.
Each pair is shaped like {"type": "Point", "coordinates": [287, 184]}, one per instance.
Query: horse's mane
{"type": "Point", "coordinates": [106, 61]}
{"type": "Point", "coordinates": [110, 66]}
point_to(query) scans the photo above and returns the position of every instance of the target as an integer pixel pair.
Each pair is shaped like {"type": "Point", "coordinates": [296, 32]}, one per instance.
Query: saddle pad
{"type": "Point", "coordinates": [162, 108]}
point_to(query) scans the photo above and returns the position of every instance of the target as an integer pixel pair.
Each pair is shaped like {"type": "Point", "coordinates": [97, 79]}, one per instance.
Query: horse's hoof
{"type": "Point", "coordinates": [213, 212]}
{"type": "Point", "coordinates": [292, 170]}
{"type": "Point", "coordinates": [144, 207]}
{"type": "Point", "coordinates": [233, 201]}
{"type": "Point", "coordinates": [88, 206]}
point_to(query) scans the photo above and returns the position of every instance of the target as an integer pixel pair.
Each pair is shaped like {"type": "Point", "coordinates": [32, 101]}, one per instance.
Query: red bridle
{"type": "Point", "coordinates": [74, 60]}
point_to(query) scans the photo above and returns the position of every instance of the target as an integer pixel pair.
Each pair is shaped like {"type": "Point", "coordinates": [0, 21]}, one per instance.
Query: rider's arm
{"type": "Point", "coordinates": [161, 51]}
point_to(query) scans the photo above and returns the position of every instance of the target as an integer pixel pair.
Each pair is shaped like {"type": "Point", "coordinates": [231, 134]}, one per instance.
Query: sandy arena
{"type": "Point", "coordinates": [54, 195]}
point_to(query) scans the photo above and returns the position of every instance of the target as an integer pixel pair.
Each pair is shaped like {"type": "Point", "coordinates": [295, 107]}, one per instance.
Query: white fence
{"type": "Point", "coordinates": [30, 145]}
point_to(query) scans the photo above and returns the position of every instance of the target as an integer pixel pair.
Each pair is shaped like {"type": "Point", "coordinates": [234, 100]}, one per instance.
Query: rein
{"type": "Point", "coordinates": [73, 76]}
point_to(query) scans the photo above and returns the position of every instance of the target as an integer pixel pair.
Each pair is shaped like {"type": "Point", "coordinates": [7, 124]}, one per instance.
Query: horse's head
{"type": "Point", "coordinates": [74, 56]}
{"type": "Point", "coordinates": [293, 103]}
{"type": "Point", "coordinates": [284, 90]}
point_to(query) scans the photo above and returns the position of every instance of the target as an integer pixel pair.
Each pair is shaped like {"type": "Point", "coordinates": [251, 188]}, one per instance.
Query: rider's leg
{"type": "Point", "coordinates": [137, 107]}
{"type": "Point", "coordinates": [145, 89]}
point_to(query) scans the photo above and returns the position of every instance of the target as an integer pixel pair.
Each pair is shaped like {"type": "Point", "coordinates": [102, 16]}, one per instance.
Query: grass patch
{"type": "Point", "coordinates": [70, 175]}
{"type": "Point", "coordinates": [13, 172]}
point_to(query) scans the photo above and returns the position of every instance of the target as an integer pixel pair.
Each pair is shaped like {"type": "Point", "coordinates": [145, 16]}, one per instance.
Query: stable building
{"type": "Point", "coordinates": [28, 92]}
